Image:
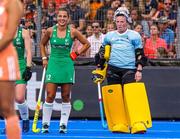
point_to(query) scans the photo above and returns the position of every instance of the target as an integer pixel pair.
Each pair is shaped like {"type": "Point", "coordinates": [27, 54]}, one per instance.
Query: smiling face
{"type": "Point", "coordinates": [96, 27]}
{"type": "Point", "coordinates": [89, 30]}
{"type": "Point", "coordinates": [62, 18]}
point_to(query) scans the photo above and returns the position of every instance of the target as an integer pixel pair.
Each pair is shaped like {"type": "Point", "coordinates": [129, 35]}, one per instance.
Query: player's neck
{"type": "Point", "coordinates": [62, 28]}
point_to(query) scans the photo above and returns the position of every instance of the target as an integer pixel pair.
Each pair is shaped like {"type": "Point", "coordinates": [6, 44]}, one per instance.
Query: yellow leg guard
{"type": "Point", "coordinates": [137, 107]}
{"type": "Point", "coordinates": [138, 128]}
{"type": "Point", "coordinates": [114, 108]}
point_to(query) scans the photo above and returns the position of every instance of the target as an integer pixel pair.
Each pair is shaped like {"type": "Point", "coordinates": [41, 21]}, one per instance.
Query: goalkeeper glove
{"type": "Point", "coordinates": [99, 75]}
{"type": "Point", "coordinates": [27, 74]}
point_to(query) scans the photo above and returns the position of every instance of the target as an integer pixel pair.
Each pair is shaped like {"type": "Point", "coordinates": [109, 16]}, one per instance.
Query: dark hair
{"type": "Point", "coordinates": [88, 24]}
{"type": "Point", "coordinates": [91, 1]}
{"type": "Point", "coordinates": [109, 9]}
{"type": "Point", "coordinates": [155, 26]}
{"type": "Point", "coordinates": [95, 21]}
{"type": "Point", "coordinates": [136, 24]}
{"type": "Point", "coordinates": [64, 9]}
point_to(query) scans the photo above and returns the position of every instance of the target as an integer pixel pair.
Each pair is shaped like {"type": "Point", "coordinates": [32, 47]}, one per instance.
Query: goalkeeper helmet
{"type": "Point", "coordinates": [124, 12]}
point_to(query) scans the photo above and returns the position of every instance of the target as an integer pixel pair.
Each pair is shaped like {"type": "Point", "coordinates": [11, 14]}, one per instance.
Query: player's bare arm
{"type": "Point", "coordinates": [44, 41]}
{"type": "Point", "coordinates": [28, 46]}
{"type": "Point", "coordinates": [82, 39]}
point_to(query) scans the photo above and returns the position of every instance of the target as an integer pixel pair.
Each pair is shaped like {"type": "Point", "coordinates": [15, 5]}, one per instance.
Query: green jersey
{"type": "Point", "coordinates": [60, 67]}
{"type": "Point", "coordinates": [60, 47]}
{"type": "Point", "coordinates": [18, 43]}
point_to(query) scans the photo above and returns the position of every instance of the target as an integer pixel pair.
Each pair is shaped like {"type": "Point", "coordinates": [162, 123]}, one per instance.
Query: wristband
{"type": "Point", "coordinates": [73, 55]}
{"type": "Point", "coordinates": [44, 58]}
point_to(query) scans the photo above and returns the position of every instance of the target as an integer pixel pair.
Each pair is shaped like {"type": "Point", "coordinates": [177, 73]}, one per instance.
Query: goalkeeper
{"type": "Point", "coordinates": [126, 57]}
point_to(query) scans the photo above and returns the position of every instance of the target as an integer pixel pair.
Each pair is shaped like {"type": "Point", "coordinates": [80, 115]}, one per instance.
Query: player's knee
{"type": "Point", "coordinates": [66, 97]}
{"type": "Point", "coordinates": [50, 98]}
{"type": "Point", "coordinates": [20, 100]}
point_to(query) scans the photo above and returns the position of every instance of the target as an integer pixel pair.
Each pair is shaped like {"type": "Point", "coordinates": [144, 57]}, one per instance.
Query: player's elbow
{"type": "Point", "coordinates": [88, 45]}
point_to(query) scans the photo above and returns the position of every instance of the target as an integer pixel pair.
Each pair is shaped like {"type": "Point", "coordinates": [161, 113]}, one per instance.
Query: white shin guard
{"type": "Point", "coordinates": [65, 112]}
{"type": "Point", "coordinates": [47, 112]}
{"type": "Point", "coordinates": [23, 110]}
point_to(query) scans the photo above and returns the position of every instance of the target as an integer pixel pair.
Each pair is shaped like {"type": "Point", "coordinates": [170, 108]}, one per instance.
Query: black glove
{"type": "Point", "coordinates": [101, 52]}
{"type": "Point", "coordinates": [99, 62]}
{"type": "Point", "coordinates": [27, 74]}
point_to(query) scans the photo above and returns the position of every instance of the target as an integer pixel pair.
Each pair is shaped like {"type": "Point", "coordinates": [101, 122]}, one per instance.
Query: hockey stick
{"type": "Point", "coordinates": [38, 105]}
{"type": "Point", "coordinates": [101, 106]}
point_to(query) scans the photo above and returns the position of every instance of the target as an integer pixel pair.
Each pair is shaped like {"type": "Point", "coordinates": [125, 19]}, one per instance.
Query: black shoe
{"type": "Point", "coordinates": [25, 126]}
{"type": "Point", "coordinates": [3, 131]}
{"type": "Point", "coordinates": [45, 128]}
{"type": "Point", "coordinates": [63, 129]}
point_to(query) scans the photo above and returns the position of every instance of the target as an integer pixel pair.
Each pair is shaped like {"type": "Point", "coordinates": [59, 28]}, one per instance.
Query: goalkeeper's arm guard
{"type": "Point", "coordinates": [99, 75]}
{"type": "Point", "coordinates": [140, 57]}
{"type": "Point", "coordinates": [107, 52]}
{"type": "Point", "coordinates": [102, 56]}
{"type": "Point", "coordinates": [101, 59]}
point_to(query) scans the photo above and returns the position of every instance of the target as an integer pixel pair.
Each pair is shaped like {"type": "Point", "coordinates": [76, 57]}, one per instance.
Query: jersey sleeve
{"type": "Point", "coordinates": [106, 40]}
{"type": "Point", "coordinates": [137, 41]}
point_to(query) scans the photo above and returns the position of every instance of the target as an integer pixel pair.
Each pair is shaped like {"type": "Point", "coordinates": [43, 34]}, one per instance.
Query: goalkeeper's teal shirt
{"type": "Point", "coordinates": [123, 48]}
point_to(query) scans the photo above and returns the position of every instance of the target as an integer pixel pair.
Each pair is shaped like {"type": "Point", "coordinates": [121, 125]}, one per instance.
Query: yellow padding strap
{"type": "Point", "coordinates": [114, 108]}
{"type": "Point", "coordinates": [107, 52]}
{"type": "Point", "coordinates": [137, 105]}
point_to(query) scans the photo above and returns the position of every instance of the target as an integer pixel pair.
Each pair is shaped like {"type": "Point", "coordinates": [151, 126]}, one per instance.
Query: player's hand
{"type": "Point", "coordinates": [74, 55]}
{"type": "Point", "coordinates": [27, 74]}
{"type": "Point", "coordinates": [44, 61]}
{"type": "Point", "coordinates": [138, 75]}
